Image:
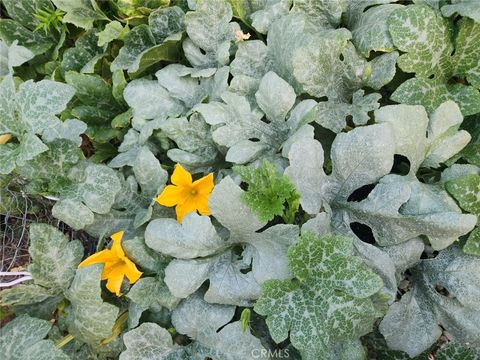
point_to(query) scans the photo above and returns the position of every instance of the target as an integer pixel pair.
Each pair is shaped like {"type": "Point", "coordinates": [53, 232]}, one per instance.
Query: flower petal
{"type": "Point", "coordinates": [117, 244]}
{"type": "Point", "coordinates": [201, 203]}
{"type": "Point", "coordinates": [181, 177]}
{"type": "Point", "coordinates": [114, 282]}
{"type": "Point", "coordinates": [184, 209]}
{"type": "Point", "coordinates": [172, 195]}
{"type": "Point", "coordinates": [103, 256]}
{"type": "Point", "coordinates": [131, 272]}
{"type": "Point", "coordinates": [204, 185]}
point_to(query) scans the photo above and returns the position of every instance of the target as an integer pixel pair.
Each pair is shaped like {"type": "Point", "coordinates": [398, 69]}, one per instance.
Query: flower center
{"type": "Point", "coordinates": [193, 192]}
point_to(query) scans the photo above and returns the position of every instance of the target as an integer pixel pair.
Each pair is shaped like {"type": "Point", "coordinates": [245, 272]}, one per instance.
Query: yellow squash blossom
{"type": "Point", "coordinates": [186, 194]}
{"type": "Point", "coordinates": [5, 138]}
{"type": "Point", "coordinates": [117, 265]}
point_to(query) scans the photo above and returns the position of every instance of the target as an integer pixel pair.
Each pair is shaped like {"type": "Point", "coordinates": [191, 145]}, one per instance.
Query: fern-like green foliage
{"type": "Point", "coordinates": [269, 193]}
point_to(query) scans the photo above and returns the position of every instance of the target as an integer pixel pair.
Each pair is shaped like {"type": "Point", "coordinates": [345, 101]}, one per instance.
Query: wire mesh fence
{"type": "Point", "coordinates": [18, 210]}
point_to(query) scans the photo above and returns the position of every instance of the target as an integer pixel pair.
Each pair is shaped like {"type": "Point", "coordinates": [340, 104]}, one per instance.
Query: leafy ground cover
{"type": "Point", "coordinates": [240, 179]}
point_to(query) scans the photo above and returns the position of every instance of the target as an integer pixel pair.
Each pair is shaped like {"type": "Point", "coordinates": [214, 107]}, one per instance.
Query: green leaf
{"type": "Point", "coordinates": [331, 300]}
{"type": "Point", "coordinates": [90, 319]}
{"type": "Point", "coordinates": [146, 45]}
{"type": "Point", "coordinates": [268, 191]}
{"type": "Point", "coordinates": [22, 339]}
{"type": "Point", "coordinates": [35, 41]}
{"type": "Point", "coordinates": [432, 93]}
{"type": "Point", "coordinates": [472, 246]}
{"type": "Point", "coordinates": [467, 53]}
{"type": "Point", "coordinates": [466, 190]}
{"type": "Point", "coordinates": [24, 11]}
{"type": "Point", "coordinates": [54, 258]}
{"type": "Point", "coordinates": [113, 31]}
{"type": "Point", "coordinates": [209, 29]}
{"type": "Point", "coordinates": [456, 350]}
{"type": "Point", "coordinates": [467, 8]}
{"type": "Point", "coordinates": [84, 56]}
{"type": "Point", "coordinates": [413, 323]}
{"type": "Point", "coordinates": [430, 53]}
{"type": "Point", "coordinates": [81, 13]}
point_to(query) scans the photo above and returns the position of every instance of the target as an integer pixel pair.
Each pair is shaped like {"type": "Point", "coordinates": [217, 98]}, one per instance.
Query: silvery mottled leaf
{"type": "Point", "coordinates": [149, 100]}
{"type": "Point", "coordinates": [24, 294]}
{"type": "Point", "coordinates": [149, 173]}
{"type": "Point", "coordinates": [142, 255]}
{"type": "Point", "coordinates": [467, 51]}
{"type": "Point", "coordinates": [202, 254]}
{"type": "Point", "coordinates": [195, 237]}
{"type": "Point", "coordinates": [11, 56]}
{"type": "Point", "coordinates": [323, 13]}
{"type": "Point", "coordinates": [14, 154]}
{"type": "Point", "coordinates": [370, 32]}
{"type": "Point", "coordinates": [166, 22]}
{"type": "Point", "coordinates": [266, 12]}
{"type": "Point", "coordinates": [70, 129]}
{"type": "Point", "coordinates": [430, 53]}
{"type": "Point", "coordinates": [444, 137]}
{"type": "Point", "coordinates": [35, 41]}
{"type": "Point", "coordinates": [90, 319]}
{"type": "Point", "coordinates": [209, 30]}
{"type": "Point", "coordinates": [81, 13]}
{"type": "Point", "coordinates": [84, 56]}
{"type": "Point", "coordinates": [240, 128]}
{"type": "Point", "coordinates": [196, 148]}
{"type": "Point", "coordinates": [466, 8]}
{"type": "Point", "coordinates": [413, 323]}
{"type": "Point", "coordinates": [396, 210]}
{"type": "Point", "coordinates": [321, 307]}
{"type": "Point", "coordinates": [201, 321]}
{"type": "Point", "coordinates": [148, 342]}
{"type": "Point", "coordinates": [22, 339]}
{"type": "Point", "coordinates": [54, 258]}
{"type": "Point", "coordinates": [332, 115]}
{"type": "Point", "coordinates": [152, 293]}
{"type": "Point", "coordinates": [93, 191]}
{"type": "Point", "coordinates": [383, 70]}
{"type": "Point", "coordinates": [192, 86]}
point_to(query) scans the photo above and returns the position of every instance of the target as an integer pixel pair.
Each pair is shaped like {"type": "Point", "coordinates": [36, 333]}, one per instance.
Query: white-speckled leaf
{"type": "Point", "coordinates": [467, 51]}
{"type": "Point", "coordinates": [152, 293]}
{"type": "Point", "coordinates": [93, 190]}
{"type": "Point", "coordinates": [330, 301]}
{"type": "Point", "coordinates": [84, 55]}
{"type": "Point", "coordinates": [22, 339]}
{"type": "Point", "coordinates": [430, 53]}
{"type": "Point", "coordinates": [54, 258]}
{"type": "Point", "coordinates": [149, 173]}
{"type": "Point", "coordinates": [90, 319]}
{"type": "Point", "coordinates": [433, 92]}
